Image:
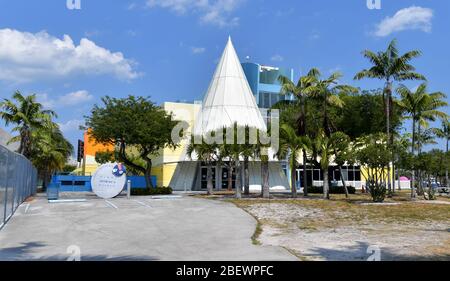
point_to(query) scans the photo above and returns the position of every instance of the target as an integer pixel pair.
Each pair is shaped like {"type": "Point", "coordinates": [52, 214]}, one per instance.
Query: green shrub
{"type": "Point", "coordinates": [333, 189]}
{"type": "Point", "coordinates": [378, 192]}
{"type": "Point", "coordinates": [430, 194]}
{"type": "Point", "coordinates": [152, 191]}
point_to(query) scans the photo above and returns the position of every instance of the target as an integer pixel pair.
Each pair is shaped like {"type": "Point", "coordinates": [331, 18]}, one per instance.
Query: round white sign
{"type": "Point", "coordinates": [107, 182]}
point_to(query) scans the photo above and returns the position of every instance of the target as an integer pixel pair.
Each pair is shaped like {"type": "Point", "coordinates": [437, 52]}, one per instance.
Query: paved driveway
{"type": "Point", "coordinates": [142, 228]}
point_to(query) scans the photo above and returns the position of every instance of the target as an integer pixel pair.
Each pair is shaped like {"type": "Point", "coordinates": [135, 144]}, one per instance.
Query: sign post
{"type": "Point", "coordinates": [128, 189]}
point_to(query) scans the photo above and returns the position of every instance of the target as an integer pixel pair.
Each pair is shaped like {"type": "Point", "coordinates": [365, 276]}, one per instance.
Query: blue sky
{"type": "Point", "coordinates": [168, 49]}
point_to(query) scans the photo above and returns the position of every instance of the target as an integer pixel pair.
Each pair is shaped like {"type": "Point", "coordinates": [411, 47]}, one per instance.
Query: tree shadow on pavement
{"type": "Point", "coordinates": [28, 252]}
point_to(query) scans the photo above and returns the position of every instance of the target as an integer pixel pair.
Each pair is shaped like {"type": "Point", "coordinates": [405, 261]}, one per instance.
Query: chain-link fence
{"type": "Point", "coordinates": [18, 180]}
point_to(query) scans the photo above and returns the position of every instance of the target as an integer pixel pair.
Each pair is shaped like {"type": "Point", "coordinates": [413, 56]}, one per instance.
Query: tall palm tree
{"type": "Point", "coordinates": [390, 66]}
{"type": "Point", "coordinates": [207, 153]}
{"type": "Point", "coordinates": [28, 115]}
{"type": "Point", "coordinates": [231, 150]}
{"type": "Point", "coordinates": [49, 151]}
{"type": "Point", "coordinates": [326, 92]}
{"type": "Point", "coordinates": [298, 91]}
{"type": "Point", "coordinates": [248, 151]}
{"type": "Point", "coordinates": [421, 107]}
{"type": "Point", "coordinates": [290, 146]}
{"type": "Point", "coordinates": [444, 133]}
{"type": "Point", "coordinates": [262, 152]}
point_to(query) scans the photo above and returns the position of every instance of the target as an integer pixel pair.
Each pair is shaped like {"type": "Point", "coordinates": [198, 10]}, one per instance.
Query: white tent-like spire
{"type": "Point", "coordinates": [229, 98]}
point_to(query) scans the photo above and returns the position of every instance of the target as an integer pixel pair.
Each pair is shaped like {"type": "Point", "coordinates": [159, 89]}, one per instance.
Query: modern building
{"type": "Point", "coordinates": [228, 100]}
{"type": "Point", "coordinates": [237, 94]}
{"type": "Point", "coordinates": [263, 81]}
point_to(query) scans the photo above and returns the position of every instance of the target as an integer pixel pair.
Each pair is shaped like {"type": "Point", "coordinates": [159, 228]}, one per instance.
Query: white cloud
{"type": "Point", "coordinates": [277, 58]}
{"type": "Point", "coordinates": [198, 50]}
{"type": "Point", "coordinates": [412, 18]}
{"type": "Point", "coordinates": [26, 57]}
{"type": "Point", "coordinates": [70, 99]}
{"type": "Point", "coordinates": [216, 12]}
{"type": "Point", "coordinates": [71, 125]}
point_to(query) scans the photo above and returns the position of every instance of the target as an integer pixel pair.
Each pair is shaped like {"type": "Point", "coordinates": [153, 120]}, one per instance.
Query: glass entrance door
{"type": "Point", "coordinates": [225, 177]}
{"type": "Point", "coordinates": [204, 175]}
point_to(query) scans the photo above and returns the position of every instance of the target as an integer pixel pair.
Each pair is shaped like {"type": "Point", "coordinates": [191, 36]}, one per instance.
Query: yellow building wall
{"type": "Point", "coordinates": [165, 163]}
{"type": "Point", "coordinates": [365, 170]}
{"type": "Point", "coordinates": [164, 174]}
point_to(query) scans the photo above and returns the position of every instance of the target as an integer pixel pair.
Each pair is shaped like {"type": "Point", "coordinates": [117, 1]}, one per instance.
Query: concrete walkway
{"type": "Point", "coordinates": [143, 228]}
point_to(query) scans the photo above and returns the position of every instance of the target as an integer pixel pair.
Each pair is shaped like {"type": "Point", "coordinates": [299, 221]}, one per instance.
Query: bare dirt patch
{"type": "Point", "coordinates": [343, 229]}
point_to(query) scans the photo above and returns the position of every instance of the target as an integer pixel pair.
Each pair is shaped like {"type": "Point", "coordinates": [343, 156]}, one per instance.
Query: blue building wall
{"type": "Point", "coordinates": [263, 81]}
{"type": "Point", "coordinates": [72, 183]}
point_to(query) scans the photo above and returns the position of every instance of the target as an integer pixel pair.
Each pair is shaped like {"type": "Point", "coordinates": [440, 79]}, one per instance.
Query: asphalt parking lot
{"type": "Point", "coordinates": [140, 228]}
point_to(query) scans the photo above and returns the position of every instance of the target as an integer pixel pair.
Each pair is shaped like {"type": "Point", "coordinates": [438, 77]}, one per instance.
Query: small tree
{"type": "Point", "coordinates": [375, 155]}
{"type": "Point", "coordinates": [324, 148]}
{"type": "Point", "coordinates": [343, 154]}
{"type": "Point", "coordinates": [133, 122]}
{"type": "Point", "coordinates": [108, 156]}
{"type": "Point", "coordinates": [103, 157]}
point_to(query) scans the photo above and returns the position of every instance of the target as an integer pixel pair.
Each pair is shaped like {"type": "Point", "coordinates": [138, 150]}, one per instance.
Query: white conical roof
{"type": "Point", "coordinates": [229, 98]}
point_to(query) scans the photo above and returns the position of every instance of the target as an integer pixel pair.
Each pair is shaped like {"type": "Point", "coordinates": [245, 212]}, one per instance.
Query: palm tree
{"type": "Point", "coordinates": [298, 91]}
{"type": "Point", "coordinates": [290, 146]}
{"type": "Point", "coordinates": [263, 154]}
{"type": "Point", "coordinates": [207, 153]}
{"type": "Point", "coordinates": [326, 92]}
{"type": "Point", "coordinates": [421, 107]}
{"type": "Point", "coordinates": [444, 133]}
{"type": "Point", "coordinates": [231, 150]}
{"type": "Point", "coordinates": [389, 66]}
{"type": "Point", "coordinates": [325, 147]}
{"type": "Point", "coordinates": [248, 151]}
{"type": "Point", "coordinates": [49, 151]}
{"type": "Point", "coordinates": [27, 115]}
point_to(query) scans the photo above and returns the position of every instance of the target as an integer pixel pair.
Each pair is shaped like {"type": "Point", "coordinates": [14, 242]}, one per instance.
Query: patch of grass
{"type": "Point", "coordinates": [257, 233]}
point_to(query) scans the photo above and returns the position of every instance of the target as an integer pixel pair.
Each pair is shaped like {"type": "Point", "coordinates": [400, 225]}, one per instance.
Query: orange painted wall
{"type": "Point", "coordinates": [91, 147]}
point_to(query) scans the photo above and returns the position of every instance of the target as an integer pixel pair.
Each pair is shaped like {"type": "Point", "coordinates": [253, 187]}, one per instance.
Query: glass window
{"type": "Point", "coordinates": [317, 175]}
{"type": "Point", "coordinates": [357, 174]}
{"type": "Point", "coordinates": [351, 173]}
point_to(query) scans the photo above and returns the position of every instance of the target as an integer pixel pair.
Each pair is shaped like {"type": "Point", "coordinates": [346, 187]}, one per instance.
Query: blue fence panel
{"type": "Point", "coordinates": [73, 183]}
{"type": "Point", "coordinates": [139, 181]}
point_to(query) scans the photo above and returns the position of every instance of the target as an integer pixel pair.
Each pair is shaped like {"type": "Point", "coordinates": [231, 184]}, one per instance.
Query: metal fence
{"type": "Point", "coordinates": [18, 180]}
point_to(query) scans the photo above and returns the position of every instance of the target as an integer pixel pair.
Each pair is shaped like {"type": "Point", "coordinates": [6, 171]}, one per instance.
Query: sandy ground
{"type": "Point", "coordinates": [344, 236]}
